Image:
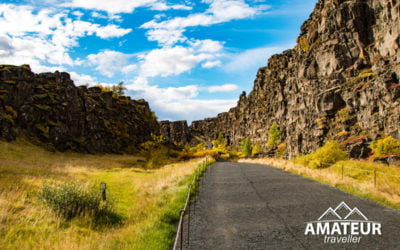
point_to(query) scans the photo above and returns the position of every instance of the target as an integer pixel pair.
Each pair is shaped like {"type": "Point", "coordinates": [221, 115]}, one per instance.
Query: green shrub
{"type": "Point", "coordinates": [385, 146]}
{"type": "Point", "coordinates": [69, 200]}
{"type": "Point", "coordinates": [256, 149]}
{"type": "Point", "coordinates": [220, 144]}
{"type": "Point", "coordinates": [280, 151]}
{"type": "Point", "coordinates": [325, 156]}
{"type": "Point", "coordinates": [246, 146]}
{"type": "Point", "coordinates": [273, 136]}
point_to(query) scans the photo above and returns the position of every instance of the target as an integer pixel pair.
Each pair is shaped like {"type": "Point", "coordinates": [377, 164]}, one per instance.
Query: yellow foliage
{"type": "Point", "coordinates": [386, 146]}
{"type": "Point", "coordinates": [325, 156]}
{"type": "Point", "coordinates": [281, 150]}
{"type": "Point", "coordinates": [305, 46]}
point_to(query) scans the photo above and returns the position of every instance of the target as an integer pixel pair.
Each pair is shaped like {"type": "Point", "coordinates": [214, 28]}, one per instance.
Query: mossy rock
{"type": "Point", "coordinates": [11, 111]}
{"type": "Point", "coordinates": [43, 107]}
{"type": "Point", "coordinates": [43, 129]}
{"type": "Point", "coordinates": [80, 140]}
{"type": "Point", "coordinates": [7, 118]}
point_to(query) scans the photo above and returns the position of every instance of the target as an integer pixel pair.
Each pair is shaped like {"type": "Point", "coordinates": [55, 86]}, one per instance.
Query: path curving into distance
{"type": "Point", "coordinates": [251, 206]}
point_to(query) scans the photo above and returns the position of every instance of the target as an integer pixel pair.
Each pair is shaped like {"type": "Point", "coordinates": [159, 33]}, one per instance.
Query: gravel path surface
{"type": "Point", "coordinates": [250, 206]}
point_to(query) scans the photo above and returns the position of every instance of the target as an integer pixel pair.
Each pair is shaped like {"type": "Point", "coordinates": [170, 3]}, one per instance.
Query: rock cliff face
{"type": "Point", "coordinates": [341, 81]}
{"type": "Point", "coordinates": [49, 108]}
{"type": "Point", "coordinates": [176, 133]}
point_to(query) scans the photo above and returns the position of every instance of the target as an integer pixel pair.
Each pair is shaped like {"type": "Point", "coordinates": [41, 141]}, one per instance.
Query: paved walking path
{"type": "Point", "coordinates": [250, 206]}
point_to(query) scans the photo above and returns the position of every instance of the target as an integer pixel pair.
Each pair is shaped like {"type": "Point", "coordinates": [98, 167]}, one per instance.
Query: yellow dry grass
{"type": "Point", "coordinates": [358, 178]}
{"type": "Point", "coordinates": [148, 200]}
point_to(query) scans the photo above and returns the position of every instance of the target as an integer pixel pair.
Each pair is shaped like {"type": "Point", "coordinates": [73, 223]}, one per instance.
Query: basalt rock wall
{"type": "Point", "coordinates": [341, 81]}
{"type": "Point", "coordinates": [175, 132]}
{"type": "Point", "coordinates": [49, 109]}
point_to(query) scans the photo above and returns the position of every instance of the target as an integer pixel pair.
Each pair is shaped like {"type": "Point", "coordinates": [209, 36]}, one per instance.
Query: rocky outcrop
{"type": "Point", "coordinates": [176, 133]}
{"type": "Point", "coordinates": [341, 81]}
{"type": "Point", "coordinates": [50, 109]}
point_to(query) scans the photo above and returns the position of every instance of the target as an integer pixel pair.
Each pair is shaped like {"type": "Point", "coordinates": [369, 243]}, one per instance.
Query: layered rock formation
{"type": "Point", "coordinates": [50, 109]}
{"type": "Point", "coordinates": [341, 82]}
{"type": "Point", "coordinates": [176, 133]}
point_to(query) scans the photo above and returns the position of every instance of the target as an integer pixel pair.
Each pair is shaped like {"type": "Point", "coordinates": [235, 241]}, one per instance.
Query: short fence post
{"type": "Point", "coordinates": [188, 226]}
{"type": "Point", "coordinates": [375, 178]}
{"type": "Point", "coordinates": [181, 233]}
{"type": "Point", "coordinates": [342, 172]}
{"type": "Point", "coordinates": [103, 187]}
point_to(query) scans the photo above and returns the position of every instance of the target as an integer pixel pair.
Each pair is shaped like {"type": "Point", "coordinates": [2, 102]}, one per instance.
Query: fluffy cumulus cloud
{"type": "Point", "coordinates": [44, 38]}
{"type": "Point", "coordinates": [108, 62]}
{"type": "Point", "coordinates": [178, 103]}
{"type": "Point", "coordinates": [219, 11]}
{"type": "Point", "coordinates": [82, 79]}
{"type": "Point", "coordinates": [171, 61]}
{"type": "Point", "coordinates": [123, 6]}
{"type": "Point", "coordinates": [178, 54]}
{"type": "Point", "coordinates": [223, 88]}
{"type": "Point", "coordinates": [211, 64]}
{"type": "Point", "coordinates": [50, 39]}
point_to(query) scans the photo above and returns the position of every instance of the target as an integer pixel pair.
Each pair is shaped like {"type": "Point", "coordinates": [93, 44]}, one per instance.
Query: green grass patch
{"type": "Point", "coordinates": [147, 200]}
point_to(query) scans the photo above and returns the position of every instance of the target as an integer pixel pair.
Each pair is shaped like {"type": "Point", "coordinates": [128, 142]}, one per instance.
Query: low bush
{"type": "Point", "coordinates": [69, 200]}
{"type": "Point", "coordinates": [256, 149]}
{"type": "Point", "coordinates": [273, 136]}
{"type": "Point", "coordinates": [386, 146]}
{"type": "Point", "coordinates": [246, 146]}
{"type": "Point", "coordinates": [325, 156]}
{"type": "Point", "coordinates": [183, 156]}
{"type": "Point", "coordinates": [280, 151]}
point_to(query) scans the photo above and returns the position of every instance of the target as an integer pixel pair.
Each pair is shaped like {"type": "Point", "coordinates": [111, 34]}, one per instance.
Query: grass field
{"type": "Point", "coordinates": [358, 178]}
{"type": "Point", "coordinates": [148, 200]}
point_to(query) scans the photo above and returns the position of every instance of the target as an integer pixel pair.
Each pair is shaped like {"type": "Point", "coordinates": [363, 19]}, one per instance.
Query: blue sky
{"type": "Point", "coordinates": [189, 59]}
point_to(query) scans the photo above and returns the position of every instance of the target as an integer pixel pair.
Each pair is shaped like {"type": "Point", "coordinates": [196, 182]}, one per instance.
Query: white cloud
{"type": "Point", "coordinates": [78, 14]}
{"type": "Point", "coordinates": [162, 6]}
{"type": "Point", "coordinates": [223, 88]}
{"type": "Point", "coordinates": [45, 37]}
{"type": "Point", "coordinates": [123, 6]}
{"type": "Point", "coordinates": [178, 103]}
{"type": "Point", "coordinates": [170, 31]}
{"type": "Point", "coordinates": [82, 79]}
{"type": "Point", "coordinates": [111, 30]}
{"type": "Point", "coordinates": [166, 37]}
{"type": "Point", "coordinates": [252, 58]}
{"type": "Point", "coordinates": [207, 45]}
{"type": "Point", "coordinates": [109, 62]}
{"type": "Point", "coordinates": [211, 64]}
{"type": "Point", "coordinates": [170, 61]}
{"type": "Point", "coordinates": [193, 109]}
{"type": "Point", "coordinates": [218, 12]}
{"type": "Point", "coordinates": [111, 16]}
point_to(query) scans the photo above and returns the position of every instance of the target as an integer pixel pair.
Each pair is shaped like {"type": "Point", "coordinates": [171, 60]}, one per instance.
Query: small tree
{"type": "Point", "coordinates": [220, 143]}
{"type": "Point", "coordinates": [385, 146]}
{"type": "Point", "coordinates": [246, 146]}
{"type": "Point", "coordinates": [256, 149]}
{"type": "Point", "coordinates": [119, 89]}
{"type": "Point", "coordinates": [273, 136]}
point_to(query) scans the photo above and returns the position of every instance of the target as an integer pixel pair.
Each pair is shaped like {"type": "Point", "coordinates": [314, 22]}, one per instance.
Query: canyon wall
{"type": "Point", "coordinates": [341, 82]}
{"type": "Point", "coordinates": [50, 110]}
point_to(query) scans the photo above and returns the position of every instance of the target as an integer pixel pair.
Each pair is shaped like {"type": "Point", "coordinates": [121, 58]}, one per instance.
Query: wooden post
{"type": "Point", "coordinates": [188, 223]}
{"type": "Point", "coordinates": [103, 187]}
{"type": "Point", "coordinates": [375, 178]}
{"type": "Point", "coordinates": [181, 234]}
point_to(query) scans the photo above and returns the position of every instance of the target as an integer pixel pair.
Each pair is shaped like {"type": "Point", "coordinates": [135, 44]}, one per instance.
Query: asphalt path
{"type": "Point", "coordinates": [251, 206]}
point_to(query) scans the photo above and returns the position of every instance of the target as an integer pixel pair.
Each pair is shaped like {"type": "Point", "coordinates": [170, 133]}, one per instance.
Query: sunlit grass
{"type": "Point", "coordinates": [148, 200]}
{"type": "Point", "coordinates": [358, 178]}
